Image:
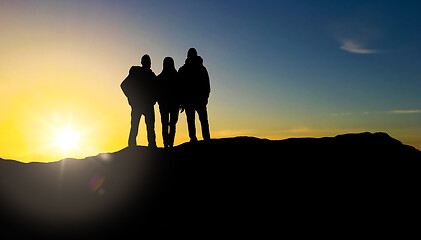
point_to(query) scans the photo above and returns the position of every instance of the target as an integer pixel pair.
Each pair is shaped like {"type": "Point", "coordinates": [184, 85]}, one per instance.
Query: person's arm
{"type": "Point", "coordinates": [206, 84]}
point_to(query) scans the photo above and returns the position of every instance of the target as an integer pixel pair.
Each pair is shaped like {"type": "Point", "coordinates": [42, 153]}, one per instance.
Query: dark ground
{"type": "Point", "coordinates": [350, 185]}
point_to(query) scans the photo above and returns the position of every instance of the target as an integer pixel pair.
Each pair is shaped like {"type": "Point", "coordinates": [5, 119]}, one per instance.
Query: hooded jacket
{"type": "Point", "coordinates": [195, 81]}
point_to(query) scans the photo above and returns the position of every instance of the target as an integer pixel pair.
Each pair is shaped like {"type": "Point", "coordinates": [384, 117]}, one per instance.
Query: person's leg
{"type": "Point", "coordinates": [164, 122]}
{"type": "Point", "coordinates": [173, 122]}
{"type": "Point", "coordinates": [134, 126]}
{"type": "Point", "coordinates": [190, 114]}
{"type": "Point", "coordinates": [203, 117]}
{"type": "Point", "coordinates": [150, 125]}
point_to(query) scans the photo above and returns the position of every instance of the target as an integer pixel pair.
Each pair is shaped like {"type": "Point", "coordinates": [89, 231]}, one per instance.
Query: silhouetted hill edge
{"type": "Point", "coordinates": [366, 144]}
{"type": "Point", "coordinates": [231, 186]}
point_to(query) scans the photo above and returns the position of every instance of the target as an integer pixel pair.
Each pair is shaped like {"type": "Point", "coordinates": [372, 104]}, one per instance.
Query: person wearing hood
{"type": "Point", "coordinates": [139, 88]}
{"type": "Point", "coordinates": [168, 100]}
{"type": "Point", "coordinates": [195, 93]}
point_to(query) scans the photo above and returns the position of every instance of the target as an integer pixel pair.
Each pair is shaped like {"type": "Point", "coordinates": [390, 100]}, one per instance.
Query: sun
{"type": "Point", "coordinates": [66, 139]}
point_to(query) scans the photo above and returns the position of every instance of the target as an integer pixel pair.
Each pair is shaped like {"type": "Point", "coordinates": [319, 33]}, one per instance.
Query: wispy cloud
{"type": "Point", "coordinates": [405, 111]}
{"type": "Point", "coordinates": [341, 114]}
{"type": "Point", "coordinates": [354, 46]}
{"type": "Point", "coordinates": [308, 131]}
{"type": "Point", "coordinates": [413, 111]}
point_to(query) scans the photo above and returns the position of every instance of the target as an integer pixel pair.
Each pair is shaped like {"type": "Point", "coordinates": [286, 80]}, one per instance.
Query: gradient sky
{"type": "Point", "coordinates": [278, 69]}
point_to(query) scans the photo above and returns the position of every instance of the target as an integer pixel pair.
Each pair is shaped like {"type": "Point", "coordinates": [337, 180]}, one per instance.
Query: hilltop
{"type": "Point", "coordinates": [231, 186]}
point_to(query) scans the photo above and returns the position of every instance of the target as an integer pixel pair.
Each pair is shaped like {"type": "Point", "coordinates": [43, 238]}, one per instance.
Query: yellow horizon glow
{"type": "Point", "coordinates": [38, 96]}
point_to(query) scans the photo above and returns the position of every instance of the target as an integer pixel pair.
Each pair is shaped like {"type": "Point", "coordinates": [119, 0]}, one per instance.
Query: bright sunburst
{"type": "Point", "coordinates": [66, 139]}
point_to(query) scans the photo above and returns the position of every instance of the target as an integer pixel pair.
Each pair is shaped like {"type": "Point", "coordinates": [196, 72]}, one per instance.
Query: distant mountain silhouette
{"type": "Point", "coordinates": [244, 185]}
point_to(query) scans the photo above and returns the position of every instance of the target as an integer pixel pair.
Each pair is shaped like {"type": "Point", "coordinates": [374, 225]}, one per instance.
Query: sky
{"type": "Point", "coordinates": [278, 69]}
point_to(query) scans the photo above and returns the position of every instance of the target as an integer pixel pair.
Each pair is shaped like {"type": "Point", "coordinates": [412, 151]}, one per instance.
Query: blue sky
{"type": "Point", "coordinates": [349, 64]}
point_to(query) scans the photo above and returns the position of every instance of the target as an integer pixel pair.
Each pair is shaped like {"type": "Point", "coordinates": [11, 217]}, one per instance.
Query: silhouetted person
{"type": "Point", "coordinates": [168, 100]}
{"type": "Point", "coordinates": [139, 87]}
{"type": "Point", "coordinates": [196, 90]}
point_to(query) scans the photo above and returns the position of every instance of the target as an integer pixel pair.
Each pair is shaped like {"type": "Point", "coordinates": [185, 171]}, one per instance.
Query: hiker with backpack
{"type": "Point", "coordinates": [140, 90]}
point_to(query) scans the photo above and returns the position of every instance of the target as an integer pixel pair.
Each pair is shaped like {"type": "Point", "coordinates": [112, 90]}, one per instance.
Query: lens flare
{"type": "Point", "coordinates": [95, 184]}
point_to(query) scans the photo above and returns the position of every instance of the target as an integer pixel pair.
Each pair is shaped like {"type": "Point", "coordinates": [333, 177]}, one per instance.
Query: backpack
{"type": "Point", "coordinates": [129, 83]}
{"type": "Point", "coordinates": [125, 85]}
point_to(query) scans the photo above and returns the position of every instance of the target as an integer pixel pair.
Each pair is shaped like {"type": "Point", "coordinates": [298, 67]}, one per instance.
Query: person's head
{"type": "Point", "coordinates": [168, 63]}
{"type": "Point", "coordinates": [146, 61]}
{"type": "Point", "coordinates": [192, 53]}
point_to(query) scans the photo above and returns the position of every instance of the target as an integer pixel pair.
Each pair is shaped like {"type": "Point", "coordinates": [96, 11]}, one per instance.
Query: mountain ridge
{"type": "Point", "coordinates": [231, 184]}
{"type": "Point", "coordinates": [342, 138]}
